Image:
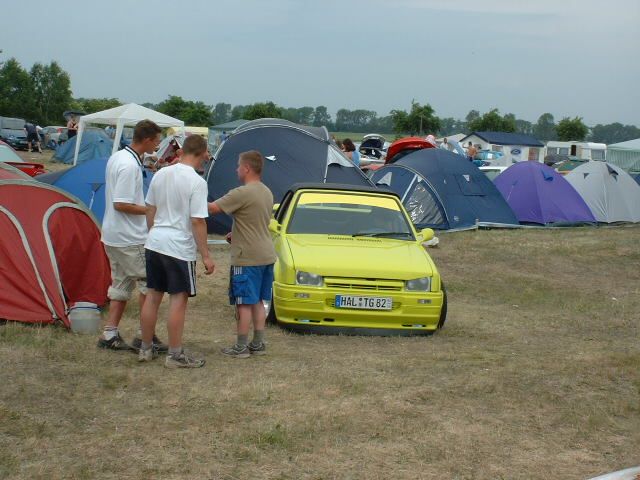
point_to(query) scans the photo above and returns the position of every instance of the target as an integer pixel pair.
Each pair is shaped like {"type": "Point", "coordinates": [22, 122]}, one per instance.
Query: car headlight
{"type": "Point", "coordinates": [310, 279]}
{"type": "Point", "coordinates": [419, 284]}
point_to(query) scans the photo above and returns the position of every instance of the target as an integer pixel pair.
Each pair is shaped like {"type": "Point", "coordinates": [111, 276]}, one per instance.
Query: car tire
{"type": "Point", "coordinates": [271, 314]}
{"type": "Point", "coordinates": [443, 312]}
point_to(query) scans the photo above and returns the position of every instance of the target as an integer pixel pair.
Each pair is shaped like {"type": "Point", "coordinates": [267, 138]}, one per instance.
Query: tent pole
{"type": "Point", "coordinates": [118, 136]}
{"type": "Point", "coordinates": [78, 140]}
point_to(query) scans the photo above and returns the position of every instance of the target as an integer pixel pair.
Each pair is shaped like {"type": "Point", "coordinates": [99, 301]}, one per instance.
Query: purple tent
{"type": "Point", "coordinates": [538, 194]}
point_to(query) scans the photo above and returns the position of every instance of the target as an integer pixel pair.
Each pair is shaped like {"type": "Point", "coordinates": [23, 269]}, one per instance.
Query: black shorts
{"type": "Point", "coordinates": [33, 137]}
{"type": "Point", "coordinates": [169, 274]}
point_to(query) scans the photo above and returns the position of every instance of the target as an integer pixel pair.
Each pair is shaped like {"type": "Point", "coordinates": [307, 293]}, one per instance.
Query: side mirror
{"type": "Point", "coordinates": [276, 206]}
{"type": "Point", "coordinates": [427, 234]}
{"type": "Point", "coordinates": [274, 226]}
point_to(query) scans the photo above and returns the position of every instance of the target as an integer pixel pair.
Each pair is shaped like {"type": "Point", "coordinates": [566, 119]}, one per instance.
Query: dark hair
{"type": "Point", "coordinates": [253, 159]}
{"type": "Point", "coordinates": [145, 129]}
{"type": "Point", "coordinates": [194, 145]}
{"type": "Point", "coordinates": [348, 145]}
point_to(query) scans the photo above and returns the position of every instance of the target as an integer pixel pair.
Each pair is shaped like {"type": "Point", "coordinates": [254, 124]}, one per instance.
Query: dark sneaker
{"type": "Point", "coordinates": [116, 343]}
{"type": "Point", "coordinates": [257, 348]}
{"type": "Point", "coordinates": [183, 360]}
{"type": "Point", "coordinates": [158, 346]}
{"type": "Point", "coordinates": [237, 351]}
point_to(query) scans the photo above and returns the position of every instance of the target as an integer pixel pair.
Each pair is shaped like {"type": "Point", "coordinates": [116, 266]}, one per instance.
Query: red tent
{"type": "Point", "coordinates": [51, 255]}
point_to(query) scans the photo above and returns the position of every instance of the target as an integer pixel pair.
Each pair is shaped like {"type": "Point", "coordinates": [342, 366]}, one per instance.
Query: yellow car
{"type": "Point", "coordinates": [351, 262]}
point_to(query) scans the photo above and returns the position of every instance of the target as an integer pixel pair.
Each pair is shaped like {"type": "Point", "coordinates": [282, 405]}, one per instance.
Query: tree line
{"type": "Point", "coordinates": [42, 93]}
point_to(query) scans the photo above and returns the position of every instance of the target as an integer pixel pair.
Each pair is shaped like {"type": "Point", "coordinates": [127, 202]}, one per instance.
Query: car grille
{"type": "Point", "coordinates": [362, 284]}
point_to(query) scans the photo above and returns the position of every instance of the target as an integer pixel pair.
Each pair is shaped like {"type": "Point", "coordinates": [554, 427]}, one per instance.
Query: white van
{"type": "Point", "coordinates": [584, 150]}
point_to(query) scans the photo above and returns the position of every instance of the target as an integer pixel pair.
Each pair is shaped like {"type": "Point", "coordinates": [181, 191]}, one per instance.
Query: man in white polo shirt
{"type": "Point", "coordinates": [176, 215]}
{"type": "Point", "coordinates": [124, 229]}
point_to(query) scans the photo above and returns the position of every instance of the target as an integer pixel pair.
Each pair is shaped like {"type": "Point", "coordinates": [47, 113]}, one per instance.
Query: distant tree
{"type": "Point", "coordinates": [321, 116]}
{"type": "Point", "coordinates": [221, 113]}
{"type": "Point", "coordinates": [52, 90]}
{"type": "Point", "coordinates": [614, 133]}
{"type": "Point", "coordinates": [545, 128]}
{"type": "Point", "coordinates": [381, 124]}
{"type": "Point", "coordinates": [150, 105]}
{"type": "Point", "coordinates": [173, 106]}
{"type": "Point", "coordinates": [238, 112]}
{"type": "Point", "coordinates": [571, 129]}
{"type": "Point", "coordinates": [92, 105]}
{"type": "Point", "coordinates": [419, 120]}
{"type": "Point", "coordinates": [492, 121]}
{"type": "Point", "coordinates": [263, 110]}
{"type": "Point", "coordinates": [472, 115]}
{"type": "Point", "coordinates": [524, 126]}
{"type": "Point", "coordinates": [17, 95]}
{"type": "Point", "coordinates": [197, 114]}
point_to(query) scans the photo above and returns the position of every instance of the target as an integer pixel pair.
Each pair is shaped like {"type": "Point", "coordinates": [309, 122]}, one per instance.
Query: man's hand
{"type": "Point", "coordinates": [209, 265]}
{"type": "Point", "coordinates": [228, 237]}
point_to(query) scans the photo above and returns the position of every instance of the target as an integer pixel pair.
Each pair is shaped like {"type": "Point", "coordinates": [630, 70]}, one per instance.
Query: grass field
{"type": "Point", "coordinates": [536, 375]}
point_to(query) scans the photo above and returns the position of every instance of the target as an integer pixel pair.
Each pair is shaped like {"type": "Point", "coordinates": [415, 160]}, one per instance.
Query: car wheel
{"type": "Point", "coordinates": [443, 312]}
{"type": "Point", "coordinates": [271, 313]}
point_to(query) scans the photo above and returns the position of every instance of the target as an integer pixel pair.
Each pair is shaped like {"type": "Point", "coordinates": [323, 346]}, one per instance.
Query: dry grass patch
{"type": "Point", "coordinates": [535, 375]}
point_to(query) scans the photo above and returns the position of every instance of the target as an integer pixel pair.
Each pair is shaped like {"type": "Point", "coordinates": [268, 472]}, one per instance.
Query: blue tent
{"type": "Point", "coordinates": [95, 144]}
{"type": "Point", "coordinates": [86, 181]}
{"type": "Point", "coordinates": [294, 154]}
{"type": "Point", "coordinates": [443, 190]}
{"type": "Point", "coordinates": [636, 177]}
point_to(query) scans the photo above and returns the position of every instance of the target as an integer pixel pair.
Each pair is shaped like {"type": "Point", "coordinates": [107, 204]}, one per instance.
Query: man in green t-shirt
{"type": "Point", "coordinates": [252, 252]}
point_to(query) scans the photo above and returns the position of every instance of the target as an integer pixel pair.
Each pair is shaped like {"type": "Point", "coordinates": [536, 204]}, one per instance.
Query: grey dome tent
{"type": "Point", "coordinates": [611, 193]}
{"type": "Point", "coordinates": [293, 153]}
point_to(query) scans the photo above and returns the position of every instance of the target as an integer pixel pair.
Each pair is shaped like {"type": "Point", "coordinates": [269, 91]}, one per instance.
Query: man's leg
{"type": "Point", "coordinates": [257, 345]}
{"type": "Point", "coordinates": [149, 317]}
{"type": "Point", "coordinates": [175, 324]}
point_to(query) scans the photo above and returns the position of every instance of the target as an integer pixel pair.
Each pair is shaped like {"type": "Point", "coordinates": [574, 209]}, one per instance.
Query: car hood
{"type": "Point", "coordinates": [359, 257]}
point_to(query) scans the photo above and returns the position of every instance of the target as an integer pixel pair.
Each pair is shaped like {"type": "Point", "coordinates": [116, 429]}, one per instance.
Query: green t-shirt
{"type": "Point", "coordinates": [250, 206]}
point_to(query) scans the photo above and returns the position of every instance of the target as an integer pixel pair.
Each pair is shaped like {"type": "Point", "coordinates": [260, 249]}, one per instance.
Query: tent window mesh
{"type": "Point", "coordinates": [423, 207]}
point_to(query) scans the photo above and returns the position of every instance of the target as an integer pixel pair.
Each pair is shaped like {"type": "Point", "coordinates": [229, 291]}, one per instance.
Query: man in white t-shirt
{"type": "Point", "coordinates": [124, 229]}
{"type": "Point", "coordinates": [176, 215]}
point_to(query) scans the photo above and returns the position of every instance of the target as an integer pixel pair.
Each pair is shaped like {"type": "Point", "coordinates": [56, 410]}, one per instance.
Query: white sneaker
{"type": "Point", "coordinates": [146, 355]}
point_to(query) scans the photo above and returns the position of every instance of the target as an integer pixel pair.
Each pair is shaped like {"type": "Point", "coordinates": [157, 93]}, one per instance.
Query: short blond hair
{"type": "Point", "coordinates": [254, 160]}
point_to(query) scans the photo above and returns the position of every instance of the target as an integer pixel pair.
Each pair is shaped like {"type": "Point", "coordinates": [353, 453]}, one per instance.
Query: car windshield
{"type": "Point", "coordinates": [350, 214]}
{"type": "Point", "coordinates": [8, 155]}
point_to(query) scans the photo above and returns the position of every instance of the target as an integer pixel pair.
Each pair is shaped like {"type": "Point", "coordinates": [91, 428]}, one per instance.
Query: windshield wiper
{"type": "Point", "coordinates": [381, 234]}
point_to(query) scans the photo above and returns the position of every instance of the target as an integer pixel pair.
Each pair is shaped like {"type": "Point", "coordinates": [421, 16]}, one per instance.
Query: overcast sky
{"type": "Point", "coordinates": [567, 57]}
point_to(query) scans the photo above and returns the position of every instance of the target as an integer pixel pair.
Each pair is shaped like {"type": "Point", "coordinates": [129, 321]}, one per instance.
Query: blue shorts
{"type": "Point", "coordinates": [250, 285]}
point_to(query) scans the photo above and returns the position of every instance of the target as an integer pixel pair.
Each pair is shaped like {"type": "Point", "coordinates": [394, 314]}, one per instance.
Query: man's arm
{"type": "Point", "coordinates": [130, 208]}
{"type": "Point", "coordinates": [151, 215]}
{"type": "Point", "coordinates": [199, 228]}
{"type": "Point", "coordinates": [213, 208]}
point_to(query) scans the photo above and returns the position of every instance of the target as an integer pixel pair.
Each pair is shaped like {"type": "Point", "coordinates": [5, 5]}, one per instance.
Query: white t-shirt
{"type": "Point", "coordinates": [123, 184]}
{"type": "Point", "coordinates": [179, 194]}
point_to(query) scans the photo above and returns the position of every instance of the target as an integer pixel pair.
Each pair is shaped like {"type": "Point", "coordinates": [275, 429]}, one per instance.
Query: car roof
{"type": "Point", "coordinates": [339, 186]}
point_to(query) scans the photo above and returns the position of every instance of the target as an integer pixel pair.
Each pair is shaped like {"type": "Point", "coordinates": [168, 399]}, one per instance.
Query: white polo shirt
{"type": "Point", "coordinates": [179, 194]}
{"type": "Point", "coordinates": [123, 184]}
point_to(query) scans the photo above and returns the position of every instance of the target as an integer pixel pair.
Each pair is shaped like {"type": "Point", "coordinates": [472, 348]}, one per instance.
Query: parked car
{"type": "Point", "coordinates": [399, 149]}
{"type": "Point", "coordinates": [12, 132]}
{"type": "Point", "coordinates": [9, 156]}
{"type": "Point", "coordinates": [351, 262]}
{"type": "Point", "coordinates": [52, 134]}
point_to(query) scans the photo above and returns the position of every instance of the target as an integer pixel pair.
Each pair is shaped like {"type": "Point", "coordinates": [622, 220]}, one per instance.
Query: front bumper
{"type": "Point", "coordinates": [412, 313]}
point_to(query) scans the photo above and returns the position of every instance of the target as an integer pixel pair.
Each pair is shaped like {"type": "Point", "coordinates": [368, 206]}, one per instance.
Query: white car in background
{"type": "Point", "coordinates": [492, 171]}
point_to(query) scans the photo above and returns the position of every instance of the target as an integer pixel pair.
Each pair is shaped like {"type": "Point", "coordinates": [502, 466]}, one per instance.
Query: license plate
{"type": "Point", "coordinates": [363, 303]}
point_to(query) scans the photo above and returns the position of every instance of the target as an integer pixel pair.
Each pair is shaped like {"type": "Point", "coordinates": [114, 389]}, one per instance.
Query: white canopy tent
{"type": "Point", "coordinates": [123, 116]}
